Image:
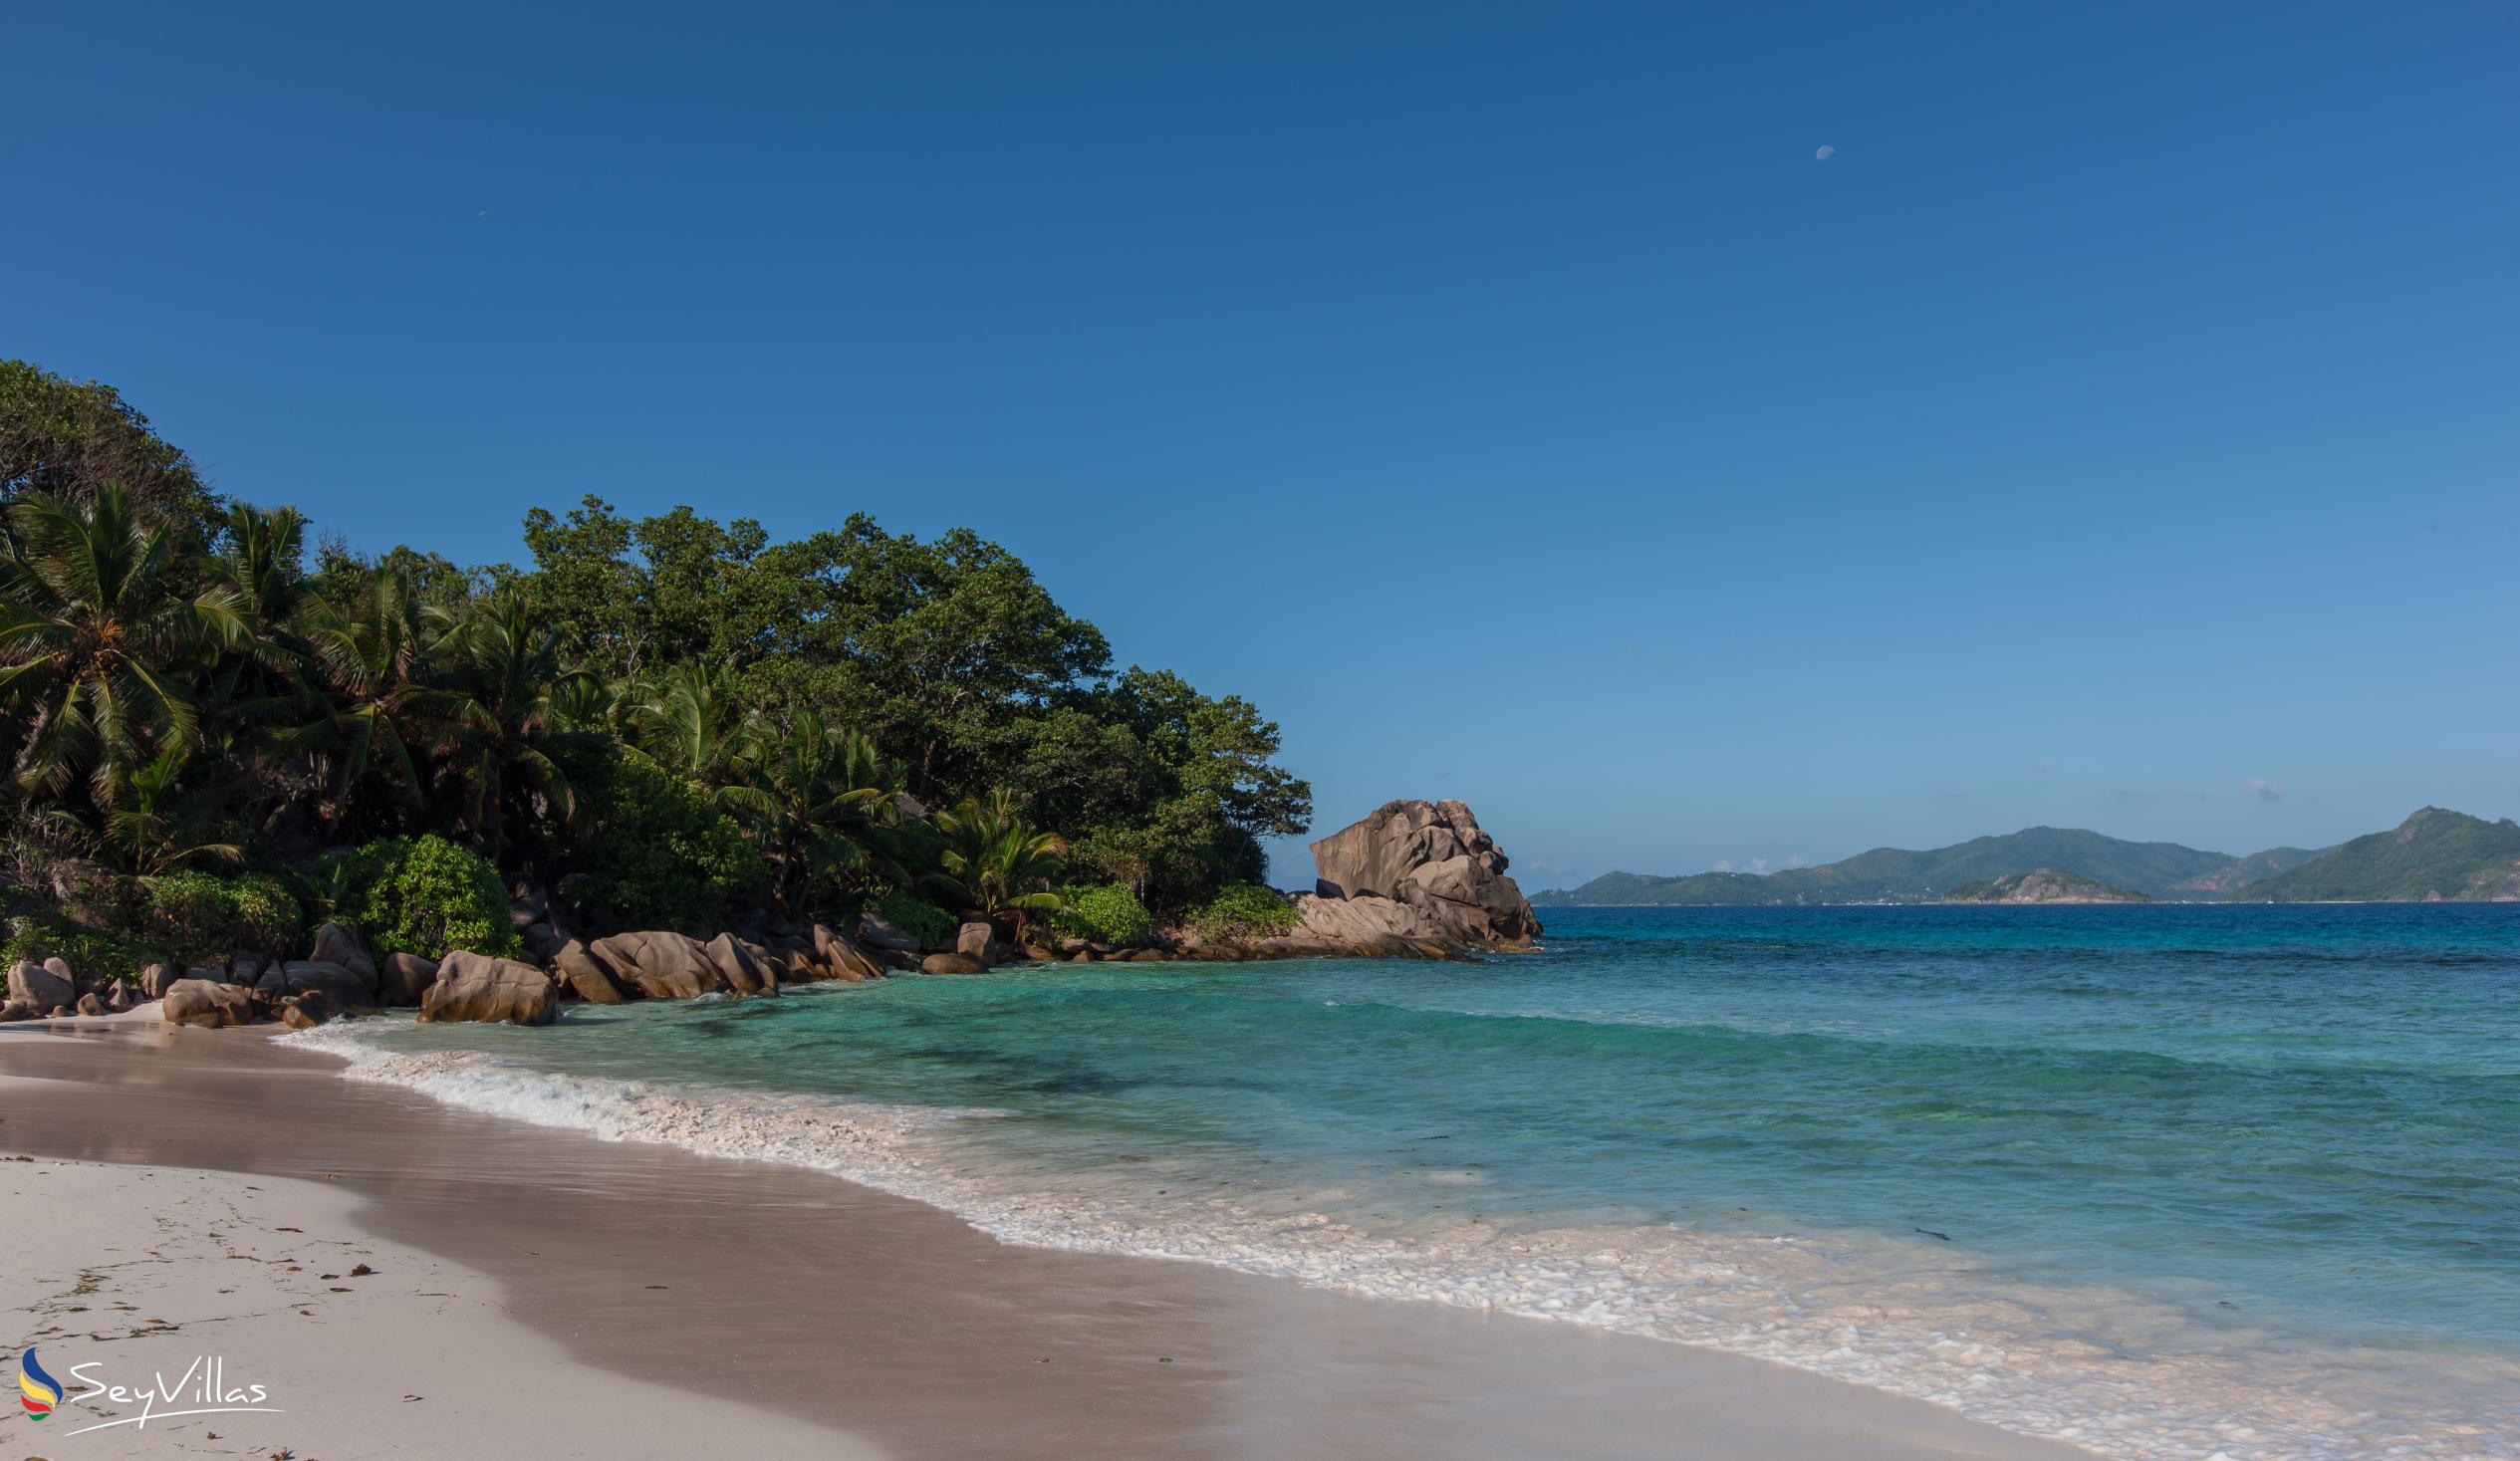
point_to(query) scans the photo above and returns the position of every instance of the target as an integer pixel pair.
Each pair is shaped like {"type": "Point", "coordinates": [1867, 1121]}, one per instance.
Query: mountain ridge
{"type": "Point", "coordinates": [2435, 854]}
{"type": "Point", "coordinates": [1899, 874]}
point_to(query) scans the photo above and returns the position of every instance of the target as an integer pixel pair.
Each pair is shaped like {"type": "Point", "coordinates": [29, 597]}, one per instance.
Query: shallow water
{"type": "Point", "coordinates": [2165, 1181]}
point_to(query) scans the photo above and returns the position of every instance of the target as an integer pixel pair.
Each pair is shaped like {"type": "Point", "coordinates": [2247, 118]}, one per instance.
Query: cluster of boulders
{"type": "Point", "coordinates": [974, 953]}
{"type": "Point", "coordinates": [336, 977]}
{"type": "Point", "coordinates": [339, 978]}
{"type": "Point", "coordinates": [53, 989]}
{"type": "Point", "coordinates": [1415, 880]}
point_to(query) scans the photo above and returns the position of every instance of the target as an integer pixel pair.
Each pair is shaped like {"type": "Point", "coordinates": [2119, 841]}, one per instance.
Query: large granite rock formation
{"type": "Point", "coordinates": [209, 1005]}
{"type": "Point", "coordinates": [477, 987]}
{"type": "Point", "coordinates": [39, 987]}
{"type": "Point", "coordinates": [660, 965]}
{"type": "Point", "coordinates": [403, 979]}
{"type": "Point", "coordinates": [298, 976]}
{"type": "Point", "coordinates": [335, 944]}
{"type": "Point", "coordinates": [1418, 872]}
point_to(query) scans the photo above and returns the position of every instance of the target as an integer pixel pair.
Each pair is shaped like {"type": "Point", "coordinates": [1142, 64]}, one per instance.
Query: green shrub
{"type": "Point", "coordinates": [652, 849]}
{"type": "Point", "coordinates": [424, 896]}
{"type": "Point", "coordinates": [932, 926]}
{"type": "Point", "coordinates": [89, 952]}
{"type": "Point", "coordinates": [1245, 911]}
{"type": "Point", "coordinates": [200, 919]}
{"type": "Point", "coordinates": [189, 912]}
{"type": "Point", "coordinates": [268, 912]}
{"type": "Point", "coordinates": [1104, 913]}
{"type": "Point", "coordinates": [98, 899]}
{"type": "Point", "coordinates": [1182, 856]}
{"type": "Point", "coordinates": [118, 926]}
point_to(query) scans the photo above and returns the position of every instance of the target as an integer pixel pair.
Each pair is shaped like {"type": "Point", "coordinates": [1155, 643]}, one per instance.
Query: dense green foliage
{"type": "Point", "coordinates": [951, 659]}
{"type": "Point", "coordinates": [424, 896]}
{"type": "Point", "coordinates": [827, 810]}
{"type": "Point", "coordinates": [997, 862]}
{"type": "Point", "coordinates": [2435, 853]}
{"type": "Point", "coordinates": [196, 917]}
{"type": "Point", "coordinates": [666, 719]}
{"type": "Point", "coordinates": [94, 952]}
{"type": "Point", "coordinates": [62, 437]}
{"type": "Point", "coordinates": [1104, 913]}
{"type": "Point", "coordinates": [117, 925]}
{"type": "Point", "coordinates": [656, 851]}
{"type": "Point", "coordinates": [930, 925]}
{"type": "Point", "coordinates": [1245, 910]}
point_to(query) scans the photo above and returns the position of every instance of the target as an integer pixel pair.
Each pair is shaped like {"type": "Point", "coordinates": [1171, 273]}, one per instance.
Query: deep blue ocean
{"type": "Point", "coordinates": [2166, 1180]}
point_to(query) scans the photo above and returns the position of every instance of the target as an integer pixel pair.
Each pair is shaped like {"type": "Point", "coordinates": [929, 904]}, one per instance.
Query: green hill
{"type": "Point", "coordinates": [2431, 856]}
{"type": "Point", "coordinates": [2046, 886]}
{"type": "Point", "coordinates": [1894, 874]}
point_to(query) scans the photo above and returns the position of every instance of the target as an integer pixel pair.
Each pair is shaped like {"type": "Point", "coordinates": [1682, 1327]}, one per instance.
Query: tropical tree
{"type": "Point", "coordinates": [155, 823]}
{"type": "Point", "coordinates": [589, 704]}
{"type": "Point", "coordinates": [261, 562]}
{"type": "Point", "coordinates": [823, 804]}
{"type": "Point", "coordinates": [997, 860]}
{"type": "Point", "coordinates": [68, 438]}
{"type": "Point", "coordinates": [182, 677]}
{"type": "Point", "coordinates": [98, 641]}
{"type": "Point", "coordinates": [371, 654]}
{"type": "Point", "coordinates": [690, 721]}
{"type": "Point", "coordinates": [494, 709]}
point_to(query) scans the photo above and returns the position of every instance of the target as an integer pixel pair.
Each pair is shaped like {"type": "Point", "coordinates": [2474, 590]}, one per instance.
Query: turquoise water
{"type": "Point", "coordinates": [2167, 1180]}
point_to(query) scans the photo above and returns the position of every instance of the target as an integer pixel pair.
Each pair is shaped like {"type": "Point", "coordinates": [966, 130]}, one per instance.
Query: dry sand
{"type": "Point", "coordinates": [363, 1348]}
{"type": "Point", "coordinates": [552, 1295]}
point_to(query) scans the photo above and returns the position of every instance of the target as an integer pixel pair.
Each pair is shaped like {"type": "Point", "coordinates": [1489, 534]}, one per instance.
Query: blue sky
{"type": "Point", "coordinates": [2116, 430]}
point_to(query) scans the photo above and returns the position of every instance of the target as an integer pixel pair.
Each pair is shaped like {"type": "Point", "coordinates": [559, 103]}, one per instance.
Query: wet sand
{"type": "Point", "coordinates": [802, 1297]}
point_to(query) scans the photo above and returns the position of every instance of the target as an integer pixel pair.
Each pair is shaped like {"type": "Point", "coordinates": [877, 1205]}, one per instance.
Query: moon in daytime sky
{"type": "Point", "coordinates": [1825, 154]}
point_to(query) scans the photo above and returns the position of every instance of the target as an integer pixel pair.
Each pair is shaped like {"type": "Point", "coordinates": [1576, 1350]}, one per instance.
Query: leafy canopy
{"type": "Point", "coordinates": [426, 896]}
{"type": "Point", "coordinates": [671, 718]}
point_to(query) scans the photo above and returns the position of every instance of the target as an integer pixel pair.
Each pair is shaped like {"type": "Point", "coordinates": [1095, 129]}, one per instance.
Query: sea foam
{"type": "Point", "coordinates": [1929, 1322]}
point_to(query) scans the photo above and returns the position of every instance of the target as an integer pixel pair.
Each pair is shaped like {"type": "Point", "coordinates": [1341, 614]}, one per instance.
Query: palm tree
{"type": "Point", "coordinates": [264, 562]}
{"type": "Point", "coordinates": [689, 722]}
{"type": "Point", "coordinates": [98, 643]}
{"type": "Point", "coordinates": [156, 826]}
{"type": "Point", "coordinates": [999, 862]}
{"type": "Point", "coordinates": [594, 705]}
{"type": "Point", "coordinates": [261, 562]}
{"type": "Point", "coordinates": [821, 802]}
{"type": "Point", "coordinates": [370, 654]}
{"type": "Point", "coordinates": [494, 709]}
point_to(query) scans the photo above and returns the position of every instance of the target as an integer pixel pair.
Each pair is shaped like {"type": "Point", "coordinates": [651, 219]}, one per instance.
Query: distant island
{"type": "Point", "coordinates": [2435, 856]}
{"type": "Point", "coordinates": [2432, 856]}
{"type": "Point", "coordinates": [2043, 885]}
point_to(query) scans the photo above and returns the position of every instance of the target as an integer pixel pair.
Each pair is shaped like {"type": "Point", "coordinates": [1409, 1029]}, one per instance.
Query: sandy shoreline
{"type": "Point", "coordinates": [264, 1301]}
{"type": "Point", "coordinates": [772, 1311]}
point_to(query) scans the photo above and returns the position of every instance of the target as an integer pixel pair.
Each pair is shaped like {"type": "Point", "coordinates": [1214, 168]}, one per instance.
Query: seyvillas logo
{"type": "Point", "coordinates": [37, 1391]}
{"type": "Point", "coordinates": [202, 1389]}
